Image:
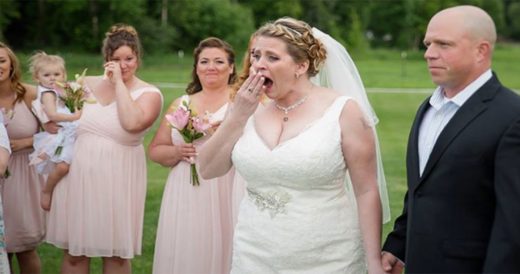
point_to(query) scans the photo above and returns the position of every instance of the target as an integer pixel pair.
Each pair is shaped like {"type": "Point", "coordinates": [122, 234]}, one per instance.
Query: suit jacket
{"type": "Point", "coordinates": [463, 214]}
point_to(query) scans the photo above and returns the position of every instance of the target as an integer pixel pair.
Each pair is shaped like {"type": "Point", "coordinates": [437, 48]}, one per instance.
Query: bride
{"type": "Point", "coordinates": [309, 156]}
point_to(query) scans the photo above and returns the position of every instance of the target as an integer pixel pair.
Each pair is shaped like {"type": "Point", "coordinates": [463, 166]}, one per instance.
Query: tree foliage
{"type": "Point", "coordinates": [167, 25]}
{"type": "Point", "coordinates": [8, 11]}
{"type": "Point", "coordinates": [269, 10]}
{"type": "Point", "coordinates": [514, 16]}
{"type": "Point", "coordinates": [198, 19]}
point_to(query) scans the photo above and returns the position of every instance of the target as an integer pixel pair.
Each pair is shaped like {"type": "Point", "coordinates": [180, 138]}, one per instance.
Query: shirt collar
{"type": "Point", "coordinates": [437, 100]}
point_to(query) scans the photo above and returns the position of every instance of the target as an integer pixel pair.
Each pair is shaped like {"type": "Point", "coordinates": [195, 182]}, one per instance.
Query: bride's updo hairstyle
{"type": "Point", "coordinates": [301, 43]}
{"type": "Point", "coordinates": [121, 35]}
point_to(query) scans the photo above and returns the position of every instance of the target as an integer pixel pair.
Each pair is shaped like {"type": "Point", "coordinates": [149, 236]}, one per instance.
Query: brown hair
{"type": "Point", "coordinates": [40, 59]}
{"type": "Point", "coordinates": [121, 35]}
{"type": "Point", "coordinates": [15, 75]}
{"type": "Point", "coordinates": [212, 42]}
{"type": "Point", "coordinates": [246, 65]}
{"type": "Point", "coordinates": [301, 43]}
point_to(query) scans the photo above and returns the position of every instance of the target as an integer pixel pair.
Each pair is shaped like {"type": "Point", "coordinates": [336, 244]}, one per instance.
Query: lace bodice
{"type": "Point", "coordinates": [311, 161]}
{"type": "Point", "coordinates": [305, 156]}
{"type": "Point", "coordinates": [297, 216]}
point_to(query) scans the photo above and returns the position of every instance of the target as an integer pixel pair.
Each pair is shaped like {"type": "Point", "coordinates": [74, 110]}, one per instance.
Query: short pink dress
{"type": "Point", "coordinates": [97, 210]}
{"type": "Point", "coordinates": [195, 231]}
{"type": "Point", "coordinates": [23, 217]}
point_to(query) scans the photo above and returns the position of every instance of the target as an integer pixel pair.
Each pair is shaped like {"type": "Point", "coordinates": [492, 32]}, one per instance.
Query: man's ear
{"type": "Point", "coordinates": [484, 50]}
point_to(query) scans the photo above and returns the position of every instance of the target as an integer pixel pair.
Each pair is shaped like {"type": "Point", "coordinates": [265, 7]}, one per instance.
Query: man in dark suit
{"type": "Point", "coordinates": [462, 208]}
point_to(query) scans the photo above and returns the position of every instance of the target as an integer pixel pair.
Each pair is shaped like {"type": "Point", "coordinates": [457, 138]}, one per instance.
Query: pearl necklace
{"type": "Point", "coordinates": [291, 107]}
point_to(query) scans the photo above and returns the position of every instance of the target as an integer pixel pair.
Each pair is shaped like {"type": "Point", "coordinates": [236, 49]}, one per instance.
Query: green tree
{"type": "Point", "coordinates": [495, 8]}
{"type": "Point", "coordinates": [198, 19]}
{"type": "Point", "coordinates": [385, 22]}
{"type": "Point", "coordinates": [76, 24]}
{"type": "Point", "coordinates": [351, 22]}
{"type": "Point", "coordinates": [269, 10]}
{"type": "Point", "coordinates": [320, 14]}
{"type": "Point", "coordinates": [513, 13]}
{"type": "Point", "coordinates": [166, 25]}
{"type": "Point", "coordinates": [8, 11]}
{"type": "Point", "coordinates": [356, 40]}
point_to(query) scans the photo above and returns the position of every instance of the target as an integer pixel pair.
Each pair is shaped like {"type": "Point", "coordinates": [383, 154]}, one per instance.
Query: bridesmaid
{"type": "Point", "coordinates": [195, 228]}
{"type": "Point", "coordinates": [5, 151]}
{"type": "Point", "coordinates": [24, 219]}
{"type": "Point", "coordinates": [98, 208]}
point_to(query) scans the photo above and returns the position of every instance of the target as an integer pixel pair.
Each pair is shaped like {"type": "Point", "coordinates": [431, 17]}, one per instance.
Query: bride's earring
{"type": "Point", "coordinates": [296, 75]}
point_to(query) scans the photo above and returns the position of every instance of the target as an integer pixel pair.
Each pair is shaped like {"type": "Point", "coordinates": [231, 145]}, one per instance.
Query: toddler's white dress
{"type": "Point", "coordinates": [50, 149]}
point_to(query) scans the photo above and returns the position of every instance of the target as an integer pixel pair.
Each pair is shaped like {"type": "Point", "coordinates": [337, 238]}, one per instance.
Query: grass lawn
{"type": "Point", "coordinates": [378, 69]}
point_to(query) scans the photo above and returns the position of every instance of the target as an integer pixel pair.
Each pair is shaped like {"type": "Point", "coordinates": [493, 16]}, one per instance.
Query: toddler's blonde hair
{"type": "Point", "coordinates": [40, 59]}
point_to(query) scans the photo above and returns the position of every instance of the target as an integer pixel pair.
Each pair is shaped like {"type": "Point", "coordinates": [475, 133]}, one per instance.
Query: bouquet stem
{"type": "Point", "coordinates": [194, 176]}
{"type": "Point", "coordinates": [6, 173]}
{"type": "Point", "coordinates": [58, 150]}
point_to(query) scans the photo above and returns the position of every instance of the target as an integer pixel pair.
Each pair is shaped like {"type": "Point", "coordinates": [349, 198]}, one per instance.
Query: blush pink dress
{"type": "Point", "coordinates": [97, 209]}
{"type": "Point", "coordinates": [23, 217]}
{"type": "Point", "coordinates": [195, 228]}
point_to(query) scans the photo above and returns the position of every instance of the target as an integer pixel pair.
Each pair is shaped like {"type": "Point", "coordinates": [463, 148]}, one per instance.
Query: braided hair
{"type": "Point", "coordinates": [301, 43]}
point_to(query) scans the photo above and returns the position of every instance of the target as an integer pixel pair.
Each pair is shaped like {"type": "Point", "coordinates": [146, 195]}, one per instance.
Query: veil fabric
{"type": "Point", "coordinates": [340, 74]}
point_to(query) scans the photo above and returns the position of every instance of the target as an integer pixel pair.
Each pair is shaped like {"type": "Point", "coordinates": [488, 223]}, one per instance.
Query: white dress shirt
{"type": "Point", "coordinates": [440, 113]}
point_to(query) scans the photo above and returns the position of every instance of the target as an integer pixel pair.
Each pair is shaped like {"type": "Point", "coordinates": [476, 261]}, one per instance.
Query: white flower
{"type": "Point", "coordinates": [75, 86]}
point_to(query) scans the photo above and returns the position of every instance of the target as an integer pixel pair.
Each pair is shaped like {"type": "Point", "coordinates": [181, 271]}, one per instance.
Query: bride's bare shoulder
{"type": "Point", "coordinates": [326, 95]}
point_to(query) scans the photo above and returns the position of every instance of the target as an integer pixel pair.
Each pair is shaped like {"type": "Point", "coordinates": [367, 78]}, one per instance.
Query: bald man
{"type": "Point", "coordinates": [462, 209]}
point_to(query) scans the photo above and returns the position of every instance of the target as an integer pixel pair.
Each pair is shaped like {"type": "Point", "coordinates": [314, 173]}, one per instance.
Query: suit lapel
{"type": "Point", "coordinates": [413, 145]}
{"type": "Point", "coordinates": [468, 112]}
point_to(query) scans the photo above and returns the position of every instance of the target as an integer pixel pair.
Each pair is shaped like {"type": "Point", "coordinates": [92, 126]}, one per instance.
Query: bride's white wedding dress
{"type": "Point", "coordinates": [297, 215]}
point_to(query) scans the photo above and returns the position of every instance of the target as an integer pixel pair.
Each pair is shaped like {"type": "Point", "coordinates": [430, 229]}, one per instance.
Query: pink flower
{"type": "Point", "coordinates": [179, 118]}
{"type": "Point", "coordinates": [200, 124]}
{"type": "Point", "coordinates": [191, 127]}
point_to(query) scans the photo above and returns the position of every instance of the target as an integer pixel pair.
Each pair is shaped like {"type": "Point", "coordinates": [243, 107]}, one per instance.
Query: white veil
{"type": "Point", "coordinates": [339, 73]}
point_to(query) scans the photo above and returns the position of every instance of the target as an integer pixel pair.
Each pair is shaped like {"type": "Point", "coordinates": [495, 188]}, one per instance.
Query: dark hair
{"type": "Point", "coordinates": [301, 43]}
{"type": "Point", "coordinates": [212, 42]}
{"type": "Point", "coordinates": [15, 73]}
{"type": "Point", "coordinates": [121, 35]}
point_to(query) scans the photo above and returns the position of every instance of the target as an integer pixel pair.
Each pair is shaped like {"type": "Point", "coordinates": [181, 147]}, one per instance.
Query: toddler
{"type": "Point", "coordinates": [52, 152]}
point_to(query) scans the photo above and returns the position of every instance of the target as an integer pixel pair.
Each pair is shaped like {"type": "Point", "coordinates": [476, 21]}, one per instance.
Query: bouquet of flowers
{"type": "Point", "coordinates": [73, 94]}
{"type": "Point", "coordinates": [191, 126]}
